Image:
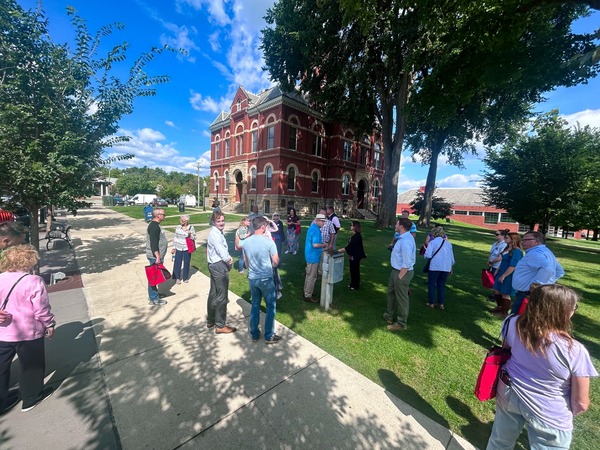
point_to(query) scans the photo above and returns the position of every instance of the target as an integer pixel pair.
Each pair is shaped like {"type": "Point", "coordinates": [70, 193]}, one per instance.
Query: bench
{"type": "Point", "coordinates": [58, 230]}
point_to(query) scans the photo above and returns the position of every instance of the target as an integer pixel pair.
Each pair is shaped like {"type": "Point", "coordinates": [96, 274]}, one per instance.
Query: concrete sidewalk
{"type": "Point", "coordinates": [132, 376]}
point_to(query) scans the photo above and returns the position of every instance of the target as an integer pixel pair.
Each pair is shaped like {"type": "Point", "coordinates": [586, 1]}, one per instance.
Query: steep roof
{"type": "Point", "coordinates": [456, 196]}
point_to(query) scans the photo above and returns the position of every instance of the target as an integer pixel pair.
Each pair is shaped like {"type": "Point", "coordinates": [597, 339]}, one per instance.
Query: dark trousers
{"type": "Point", "coordinates": [354, 273]}
{"type": "Point", "coordinates": [436, 283]}
{"type": "Point", "coordinates": [33, 364]}
{"type": "Point", "coordinates": [217, 296]}
{"type": "Point", "coordinates": [182, 257]}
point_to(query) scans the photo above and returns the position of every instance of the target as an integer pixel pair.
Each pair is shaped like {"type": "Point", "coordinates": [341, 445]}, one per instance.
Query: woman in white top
{"type": "Point", "coordinates": [439, 251]}
{"type": "Point", "coordinates": [180, 249]}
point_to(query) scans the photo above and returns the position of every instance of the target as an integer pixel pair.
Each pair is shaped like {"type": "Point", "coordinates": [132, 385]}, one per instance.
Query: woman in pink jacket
{"type": "Point", "coordinates": [25, 319]}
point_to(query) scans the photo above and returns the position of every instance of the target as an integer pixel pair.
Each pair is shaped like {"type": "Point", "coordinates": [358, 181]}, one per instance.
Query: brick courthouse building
{"type": "Point", "coordinates": [272, 150]}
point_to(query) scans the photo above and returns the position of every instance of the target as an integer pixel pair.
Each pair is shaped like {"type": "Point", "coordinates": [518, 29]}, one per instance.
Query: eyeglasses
{"type": "Point", "coordinates": [497, 234]}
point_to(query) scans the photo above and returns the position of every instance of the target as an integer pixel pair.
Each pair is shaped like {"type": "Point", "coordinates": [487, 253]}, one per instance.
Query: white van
{"type": "Point", "coordinates": [188, 200]}
{"type": "Point", "coordinates": [141, 199]}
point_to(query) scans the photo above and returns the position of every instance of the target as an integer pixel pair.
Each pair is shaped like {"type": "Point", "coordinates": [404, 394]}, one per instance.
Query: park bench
{"type": "Point", "coordinates": [58, 230]}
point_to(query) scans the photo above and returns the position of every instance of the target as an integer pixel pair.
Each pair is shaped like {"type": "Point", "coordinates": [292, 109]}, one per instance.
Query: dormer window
{"type": "Point", "coordinates": [239, 104]}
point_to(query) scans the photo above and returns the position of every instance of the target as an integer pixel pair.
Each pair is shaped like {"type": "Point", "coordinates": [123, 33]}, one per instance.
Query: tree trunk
{"type": "Point", "coordinates": [596, 231]}
{"type": "Point", "coordinates": [392, 135]}
{"type": "Point", "coordinates": [426, 208]}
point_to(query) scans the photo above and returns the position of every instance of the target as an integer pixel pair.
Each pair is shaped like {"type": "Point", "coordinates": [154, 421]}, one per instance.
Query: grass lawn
{"type": "Point", "coordinates": [434, 364]}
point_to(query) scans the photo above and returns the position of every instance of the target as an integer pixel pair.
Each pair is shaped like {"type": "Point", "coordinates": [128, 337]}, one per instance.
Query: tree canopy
{"type": "Point", "coordinates": [60, 108]}
{"type": "Point", "coordinates": [440, 207]}
{"type": "Point", "coordinates": [547, 176]}
{"type": "Point", "coordinates": [446, 72]}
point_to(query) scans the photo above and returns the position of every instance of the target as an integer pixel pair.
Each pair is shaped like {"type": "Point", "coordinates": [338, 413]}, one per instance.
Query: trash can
{"type": "Point", "coordinates": [181, 206]}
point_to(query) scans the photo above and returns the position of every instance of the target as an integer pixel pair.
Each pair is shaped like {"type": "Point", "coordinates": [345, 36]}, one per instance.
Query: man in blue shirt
{"type": "Point", "coordinates": [313, 247]}
{"type": "Point", "coordinates": [260, 255]}
{"type": "Point", "coordinates": [538, 266]}
{"type": "Point", "coordinates": [403, 261]}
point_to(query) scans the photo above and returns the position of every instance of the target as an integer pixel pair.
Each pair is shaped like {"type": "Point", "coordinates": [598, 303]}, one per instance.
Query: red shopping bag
{"type": "Point", "coordinates": [487, 278]}
{"type": "Point", "coordinates": [156, 274]}
{"type": "Point", "coordinates": [191, 245]}
{"type": "Point", "coordinates": [487, 381]}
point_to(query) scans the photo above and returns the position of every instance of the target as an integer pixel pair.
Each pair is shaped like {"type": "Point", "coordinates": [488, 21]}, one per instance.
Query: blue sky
{"type": "Point", "coordinates": [222, 38]}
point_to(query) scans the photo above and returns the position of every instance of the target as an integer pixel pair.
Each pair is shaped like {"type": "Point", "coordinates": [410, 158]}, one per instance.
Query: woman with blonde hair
{"type": "Point", "coordinates": [546, 381]}
{"type": "Point", "coordinates": [25, 319]}
{"type": "Point", "coordinates": [180, 249]}
{"type": "Point", "coordinates": [502, 289]}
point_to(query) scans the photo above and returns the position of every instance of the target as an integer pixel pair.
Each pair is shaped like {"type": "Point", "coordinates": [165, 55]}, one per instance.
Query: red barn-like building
{"type": "Point", "coordinates": [273, 151]}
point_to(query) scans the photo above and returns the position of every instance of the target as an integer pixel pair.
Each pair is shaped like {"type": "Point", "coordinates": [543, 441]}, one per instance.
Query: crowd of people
{"type": "Point", "coordinates": [543, 385]}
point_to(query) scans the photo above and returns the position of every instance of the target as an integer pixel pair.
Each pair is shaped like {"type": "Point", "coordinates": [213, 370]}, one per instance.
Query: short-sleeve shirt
{"type": "Point", "coordinates": [258, 250]}
{"type": "Point", "coordinates": [543, 383]}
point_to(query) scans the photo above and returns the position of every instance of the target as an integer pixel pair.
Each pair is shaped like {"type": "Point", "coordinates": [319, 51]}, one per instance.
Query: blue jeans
{"type": "Point", "coordinates": [259, 288]}
{"type": "Point", "coordinates": [182, 257]}
{"type": "Point", "coordinates": [242, 263]}
{"type": "Point", "coordinates": [152, 290]}
{"type": "Point", "coordinates": [511, 415]}
{"type": "Point", "coordinates": [436, 280]}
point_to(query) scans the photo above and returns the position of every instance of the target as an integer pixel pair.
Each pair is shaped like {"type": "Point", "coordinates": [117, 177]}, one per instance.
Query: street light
{"type": "Point", "coordinates": [204, 195]}
{"type": "Point", "coordinates": [198, 184]}
{"type": "Point", "coordinates": [217, 188]}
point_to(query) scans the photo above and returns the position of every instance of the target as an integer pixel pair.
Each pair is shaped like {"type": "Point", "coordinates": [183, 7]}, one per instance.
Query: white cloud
{"type": "Point", "coordinates": [148, 149]}
{"type": "Point", "coordinates": [216, 9]}
{"type": "Point", "coordinates": [589, 117]}
{"type": "Point", "coordinates": [459, 181]}
{"type": "Point", "coordinates": [201, 103]}
{"type": "Point", "coordinates": [181, 39]}
{"type": "Point", "coordinates": [170, 124]}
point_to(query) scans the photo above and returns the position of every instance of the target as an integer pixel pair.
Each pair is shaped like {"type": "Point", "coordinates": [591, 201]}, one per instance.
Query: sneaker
{"type": "Point", "coordinates": [396, 327]}
{"type": "Point", "coordinates": [287, 252]}
{"type": "Point", "coordinates": [295, 253]}
{"type": "Point", "coordinates": [12, 400]}
{"type": "Point", "coordinates": [274, 339]}
{"type": "Point", "coordinates": [440, 306]}
{"type": "Point", "coordinates": [159, 302]}
{"type": "Point", "coordinates": [186, 281]}
{"type": "Point", "coordinates": [255, 339]}
{"type": "Point", "coordinates": [46, 393]}
{"type": "Point", "coordinates": [178, 281]}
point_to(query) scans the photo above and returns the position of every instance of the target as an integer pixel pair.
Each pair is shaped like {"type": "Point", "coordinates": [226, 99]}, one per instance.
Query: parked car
{"type": "Point", "coordinates": [119, 201]}
{"type": "Point", "coordinates": [159, 202]}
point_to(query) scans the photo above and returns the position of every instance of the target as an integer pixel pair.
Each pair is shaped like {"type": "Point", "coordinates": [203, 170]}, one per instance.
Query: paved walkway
{"type": "Point", "coordinates": [132, 376]}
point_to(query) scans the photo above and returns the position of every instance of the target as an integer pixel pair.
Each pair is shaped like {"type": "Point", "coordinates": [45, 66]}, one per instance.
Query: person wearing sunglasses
{"type": "Point", "coordinates": [538, 266]}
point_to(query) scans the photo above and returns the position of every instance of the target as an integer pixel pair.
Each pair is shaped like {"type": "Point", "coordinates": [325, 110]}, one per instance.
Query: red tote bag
{"type": "Point", "coordinates": [191, 245]}
{"type": "Point", "coordinates": [487, 278]}
{"type": "Point", "coordinates": [157, 274]}
{"type": "Point", "coordinates": [487, 381]}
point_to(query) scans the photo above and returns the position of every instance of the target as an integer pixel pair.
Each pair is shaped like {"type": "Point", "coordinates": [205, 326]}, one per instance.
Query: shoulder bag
{"type": "Point", "coordinates": [10, 292]}
{"type": "Point", "coordinates": [496, 357]}
{"type": "Point", "coordinates": [426, 268]}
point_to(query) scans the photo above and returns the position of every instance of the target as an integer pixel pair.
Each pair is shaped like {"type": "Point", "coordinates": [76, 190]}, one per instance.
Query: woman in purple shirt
{"type": "Point", "coordinates": [547, 379]}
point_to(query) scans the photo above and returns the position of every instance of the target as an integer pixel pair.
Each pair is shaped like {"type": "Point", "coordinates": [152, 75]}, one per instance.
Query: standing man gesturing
{"type": "Point", "coordinates": [156, 249]}
{"type": "Point", "coordinates": [219, 265]}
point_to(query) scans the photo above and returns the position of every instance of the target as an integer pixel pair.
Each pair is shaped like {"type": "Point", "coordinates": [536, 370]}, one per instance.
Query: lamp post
{"type": "Point", "coordinates": [204, 195]}
{"type": "Point", "coordinates": [198, 198]}
{"type": "Point", "coordinates": [217, 188]}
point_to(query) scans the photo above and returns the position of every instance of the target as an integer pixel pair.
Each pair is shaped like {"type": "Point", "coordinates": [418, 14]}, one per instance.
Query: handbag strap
{"type": "Point", "coordinates": [504, 329]}
{"type": "Point", "coordinates": [10, 292]}
{"type": "Point", "coordinates": [439, 248]}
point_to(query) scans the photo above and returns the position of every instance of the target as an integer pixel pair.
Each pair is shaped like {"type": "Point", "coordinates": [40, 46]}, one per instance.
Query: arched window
{"type": "Point", "coordinates": [318, 141]}
{"type": "Point", "coordinates": [217, 150]}
{"type": "Point", "coordinates": [254, 138]}
{"type": "Point", "coordinates": [348, 146]}
{"type": "Point", "coordinates": [377, 157]}
{"type": "Point", "coordinates": [315, 182]}
{"type": "Point", "coordinates": [291, 179]}
{"type": "Point", "coordinates": [253, 178]}
{"type": "Point", "coordinates": [268, 177]}
{"type": "Point", "coordinates": [376, 189]}
{"type": "Point", "coordinates": [346, 184]}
